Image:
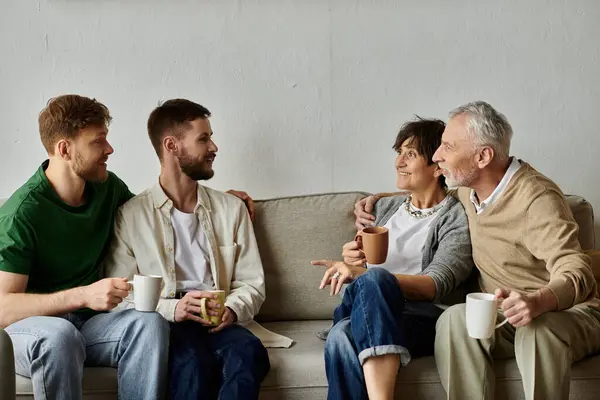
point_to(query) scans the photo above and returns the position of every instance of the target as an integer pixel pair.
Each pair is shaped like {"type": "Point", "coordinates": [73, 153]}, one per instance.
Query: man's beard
{"type": "Point", "coordinates": [92, 172]}
{"type": "Point", "coordinates": [196, 170]}
{"type": "Point", "coordinates": [462, 177]}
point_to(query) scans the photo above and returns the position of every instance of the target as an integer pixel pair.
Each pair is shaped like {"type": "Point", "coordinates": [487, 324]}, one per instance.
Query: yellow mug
{"type": "Point", "coordinates": [214, 319]}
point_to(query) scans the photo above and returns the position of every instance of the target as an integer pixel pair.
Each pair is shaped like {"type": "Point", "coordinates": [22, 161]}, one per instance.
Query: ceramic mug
{"type": "Point", "coordinates": [146, 291]}
{"type": "Point", "coordinates": [214, 319]}
{"type": "Point", "coordinates": [374, 243]}
{"type": "Point", "coordinates": [481, 315]}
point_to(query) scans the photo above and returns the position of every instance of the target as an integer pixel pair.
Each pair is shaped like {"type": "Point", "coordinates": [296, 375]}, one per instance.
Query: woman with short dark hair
{"type": "Point", "coordinates": [388, 311]}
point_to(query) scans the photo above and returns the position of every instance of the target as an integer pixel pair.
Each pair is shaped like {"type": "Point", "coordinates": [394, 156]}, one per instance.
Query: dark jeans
{"type": "Point", "coordinates": [375, 319]}
{"type": "Point", "coordinates": [230, 364]}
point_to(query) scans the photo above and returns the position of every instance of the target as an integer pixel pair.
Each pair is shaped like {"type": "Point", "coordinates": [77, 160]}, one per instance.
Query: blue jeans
{"type": "Point", "coordinates": [375, 319]}
{"type": "Point", "coordinates": [230, 364]}
{"type": "Point", "coordinates": [52, 352]}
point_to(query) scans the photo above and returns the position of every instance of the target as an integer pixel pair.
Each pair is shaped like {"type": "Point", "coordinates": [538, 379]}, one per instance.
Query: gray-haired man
{"type": "Point", "coordinates": [525, 245]}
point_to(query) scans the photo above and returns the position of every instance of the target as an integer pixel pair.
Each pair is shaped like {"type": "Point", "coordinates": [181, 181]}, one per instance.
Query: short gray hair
{"type": "Point", "coordinates": [488, 126]}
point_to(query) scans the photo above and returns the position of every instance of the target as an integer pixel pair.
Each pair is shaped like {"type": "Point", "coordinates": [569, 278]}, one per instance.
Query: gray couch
{"type": "Point", "coordinates": [291, 232]}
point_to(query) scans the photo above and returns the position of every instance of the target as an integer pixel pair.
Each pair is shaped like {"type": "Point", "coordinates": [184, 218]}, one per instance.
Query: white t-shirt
{"type": "Point", "coordinates": [192, 260]}
{"type": "Point", "coordinates": [407, 236]}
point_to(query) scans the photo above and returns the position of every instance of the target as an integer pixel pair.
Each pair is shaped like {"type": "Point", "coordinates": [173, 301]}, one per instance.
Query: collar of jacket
{"type": "Point", "coordinates": [161, 199]}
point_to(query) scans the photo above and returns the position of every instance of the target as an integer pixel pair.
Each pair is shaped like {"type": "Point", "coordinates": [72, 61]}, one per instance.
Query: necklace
{"type": "Point", "coordinates": [418, 213]}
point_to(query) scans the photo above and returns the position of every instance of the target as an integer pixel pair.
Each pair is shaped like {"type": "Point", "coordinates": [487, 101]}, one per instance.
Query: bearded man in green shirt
{"type": "Point", "coordinates": [54, 231]}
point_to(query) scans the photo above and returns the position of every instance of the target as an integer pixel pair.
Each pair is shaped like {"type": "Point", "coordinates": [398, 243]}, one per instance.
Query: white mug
{"type": "Point", "coordinates": [146, 291]}
{"type": "Point", "coordinates": [481, 315]}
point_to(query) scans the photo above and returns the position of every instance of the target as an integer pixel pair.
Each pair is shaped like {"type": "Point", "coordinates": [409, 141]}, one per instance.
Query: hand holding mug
{"type": "Point", "coordinates": [190, 307]}
{"type": "Point", "coordinates": [146, 291]}
{"type": "Point", "coordinates": [353, 254]}
{"type": "Point", "coordinates": [105, 294]}
{"type": "Point", "coordinates": [481, 315]}
{"type": "Point", "coordinates": [213, 310]}
{"type": "Point", "coordinates": [519, 309]}
{"type": "Point", "coordinates": [374, 243]}
{"type": "Point", "coordinates": [228, 318]}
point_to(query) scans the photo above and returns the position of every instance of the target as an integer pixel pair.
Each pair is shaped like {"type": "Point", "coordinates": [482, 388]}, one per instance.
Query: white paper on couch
{"type": "Point", "coordinates": [268, 338]}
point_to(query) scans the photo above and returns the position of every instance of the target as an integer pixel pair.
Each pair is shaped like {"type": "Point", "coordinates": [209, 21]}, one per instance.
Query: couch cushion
{"type": "Point", "coordinates": [301, 365]}
{"type": "Point", "coordinates": [299, 373]}
{"type": "Point", "coordinates": [301, 370]}
{"type": "Point", "coordinates": [290, 233]}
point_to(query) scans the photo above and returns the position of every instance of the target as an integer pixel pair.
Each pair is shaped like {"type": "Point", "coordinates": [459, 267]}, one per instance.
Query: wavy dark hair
{"type": "Point", "coordinates": [425, 135]}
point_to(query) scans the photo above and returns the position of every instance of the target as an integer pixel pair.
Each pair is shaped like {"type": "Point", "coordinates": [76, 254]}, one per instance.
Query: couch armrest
{"type": "Point", "coordinates": [7, 367]}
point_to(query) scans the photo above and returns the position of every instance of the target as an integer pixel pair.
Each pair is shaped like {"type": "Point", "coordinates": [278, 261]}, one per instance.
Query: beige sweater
{"type": "Point", "coordinates": [528, 239]}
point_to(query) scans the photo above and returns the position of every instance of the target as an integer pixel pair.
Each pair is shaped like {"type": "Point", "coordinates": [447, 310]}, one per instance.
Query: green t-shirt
{"type": "Point", "coordinates": [58, 246]}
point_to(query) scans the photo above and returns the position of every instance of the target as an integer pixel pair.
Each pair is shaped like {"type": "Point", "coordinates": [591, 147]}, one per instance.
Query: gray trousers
{"type": "Point", "coordinates": [544, 350]}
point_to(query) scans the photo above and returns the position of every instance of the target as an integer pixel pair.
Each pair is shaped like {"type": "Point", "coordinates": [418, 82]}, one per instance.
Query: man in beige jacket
{"type": "Point", "coordinates": [526, 248]}
{"type": "Point", "coordinates": [198, 239]}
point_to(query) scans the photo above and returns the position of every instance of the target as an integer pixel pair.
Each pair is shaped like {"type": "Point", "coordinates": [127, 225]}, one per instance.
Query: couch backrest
{"type": "Point", "coordinates": [292, 231]}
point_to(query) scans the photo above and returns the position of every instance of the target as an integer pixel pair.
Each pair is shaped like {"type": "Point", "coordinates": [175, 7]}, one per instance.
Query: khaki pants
{"type": "Point", "coordinates": [544, 350]}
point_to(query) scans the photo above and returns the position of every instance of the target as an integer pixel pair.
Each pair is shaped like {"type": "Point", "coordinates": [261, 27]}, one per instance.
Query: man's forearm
{"type": "Point", "coordinates": [17, 306]}
{"type": "Point", "coordinates": [545, 300]}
